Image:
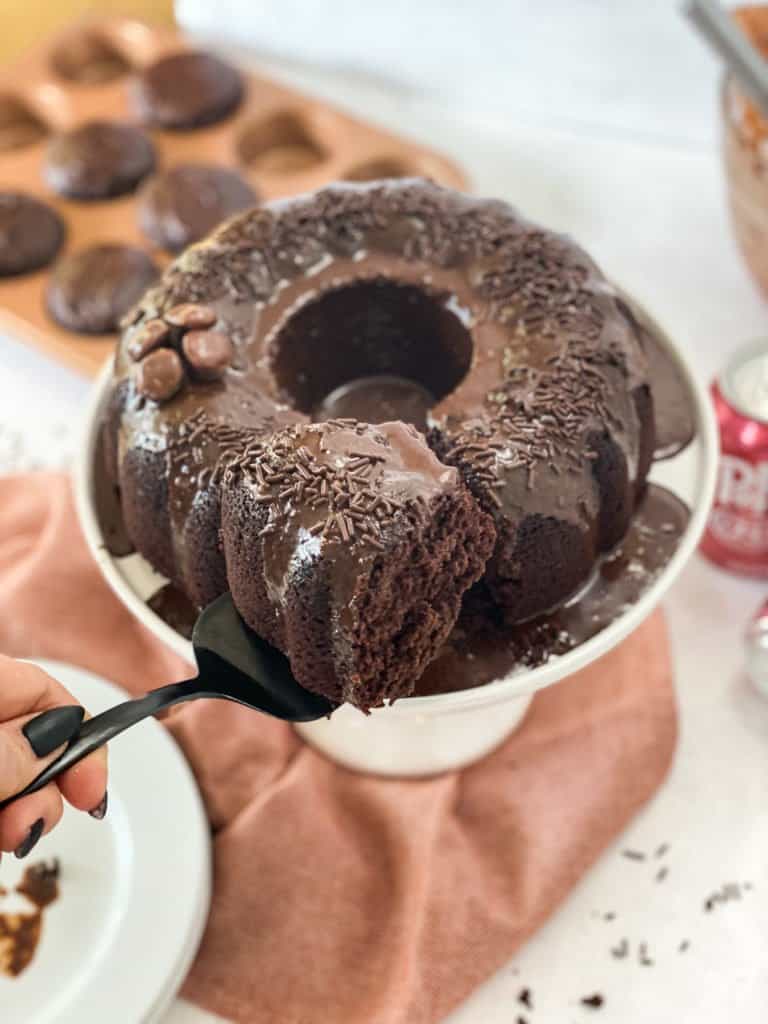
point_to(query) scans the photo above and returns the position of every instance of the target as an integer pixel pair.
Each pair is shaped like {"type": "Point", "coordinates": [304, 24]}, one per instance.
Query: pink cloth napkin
{"type": "Point", "coordinates": [342, 898]}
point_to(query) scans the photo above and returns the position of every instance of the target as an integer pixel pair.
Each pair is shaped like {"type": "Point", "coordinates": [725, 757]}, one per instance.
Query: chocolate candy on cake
{"type": "Point", "coordinates": [98, 160]}
{"type": "Point", "coordinates": [91, 290]}
{"type": "Point", "coordinates": [349, 547]}
{"type": "Point", "coordinates": [188, 90]}
{"type": "Point", "coordinates": [31, 234]}
{"type": "Point", "coordinates": [208, 353]}
{"type": "Point", "coordinates": [159, 375]}
{"type": "Point", "coordinates": [183, 204]}
{"type": "Point", "coordinates": [151, 335]}
{"type": "Point", "coordinates": [531, 378]}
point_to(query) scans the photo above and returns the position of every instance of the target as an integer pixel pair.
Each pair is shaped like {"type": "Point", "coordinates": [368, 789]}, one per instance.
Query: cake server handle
{"type": "Point", "coordinates": [95, 732]}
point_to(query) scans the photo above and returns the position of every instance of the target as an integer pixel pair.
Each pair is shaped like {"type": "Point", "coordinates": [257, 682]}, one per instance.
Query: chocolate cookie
{"type": "Point", "coordinates": [187, 90]}
{"type": "Point", "coordinates": [91, 290]}
{"type": "Point", "coordinates": [182, 205]}
{"type": "Point", "coordinates": [31, 233]}
{"type": "Point", "coordinates": [98, 160]}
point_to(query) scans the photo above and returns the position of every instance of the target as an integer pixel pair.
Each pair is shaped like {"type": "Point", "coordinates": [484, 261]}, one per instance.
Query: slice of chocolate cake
{"type": "Point", "coordinates": [349, 547]}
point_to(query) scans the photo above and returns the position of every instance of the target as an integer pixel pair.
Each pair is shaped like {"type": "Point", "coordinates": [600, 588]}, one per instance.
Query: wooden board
{"type": "Point", "coordinates": [282, 141]}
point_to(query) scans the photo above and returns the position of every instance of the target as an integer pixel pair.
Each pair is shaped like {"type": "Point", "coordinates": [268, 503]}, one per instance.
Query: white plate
{"type": "Point", "coordinates": [135, 887]}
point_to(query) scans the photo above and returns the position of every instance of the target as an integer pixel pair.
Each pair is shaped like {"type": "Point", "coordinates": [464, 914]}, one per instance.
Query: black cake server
{"type": "Point", "coordinates": [233, 664]}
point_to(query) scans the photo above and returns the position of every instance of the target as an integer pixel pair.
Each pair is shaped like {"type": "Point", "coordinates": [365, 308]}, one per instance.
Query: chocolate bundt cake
{"type": "Point", "coordinates": [349, 547]}
{"type": "Point", "coordinates": [525, 364]}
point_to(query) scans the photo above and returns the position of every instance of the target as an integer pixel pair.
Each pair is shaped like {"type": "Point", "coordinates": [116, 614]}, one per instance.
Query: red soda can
{"type": "Point", "coordinates": [736, 537]}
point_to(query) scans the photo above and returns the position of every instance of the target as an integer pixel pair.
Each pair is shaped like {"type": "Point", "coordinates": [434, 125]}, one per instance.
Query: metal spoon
{"type": "Point", "coordinates": [233, 664]}
{"type": "Point", "coordinates": [724, 36]}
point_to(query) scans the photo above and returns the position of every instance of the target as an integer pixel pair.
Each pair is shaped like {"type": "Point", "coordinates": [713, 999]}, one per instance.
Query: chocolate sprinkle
{"type": "Point", "coordinates": [642, 955]}
{"type": "Point", "coordinates": [525, 998]}
{"type": "Point", "coordinates": [285, 473]}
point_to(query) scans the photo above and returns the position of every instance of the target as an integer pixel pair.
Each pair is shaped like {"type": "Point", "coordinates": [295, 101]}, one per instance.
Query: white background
{"type": "Point", "coordinates": [598, 118]}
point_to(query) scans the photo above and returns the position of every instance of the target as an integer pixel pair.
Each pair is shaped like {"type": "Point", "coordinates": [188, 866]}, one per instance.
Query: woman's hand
{"type": "Point", "coordinates": [25, 692]}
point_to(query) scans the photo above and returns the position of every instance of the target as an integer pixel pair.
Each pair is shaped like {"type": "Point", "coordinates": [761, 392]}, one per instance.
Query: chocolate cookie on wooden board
{"type": "Point", "coordinates": [98, 160]}
{"type": "Point", "coordinates": [188, 90]}
{"type": "Point", "coordinates": [91, 290]}
{"type": "Point", "coordinates": [31, 233]}
{"type": "Point", "coordinates": [185, 203]}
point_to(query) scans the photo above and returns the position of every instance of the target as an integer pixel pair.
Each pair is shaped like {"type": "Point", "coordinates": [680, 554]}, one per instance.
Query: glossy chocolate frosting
{"type": "Point", "coordinates": [333, 490]}
{"type": "Point", "coordinates": [538, 372]}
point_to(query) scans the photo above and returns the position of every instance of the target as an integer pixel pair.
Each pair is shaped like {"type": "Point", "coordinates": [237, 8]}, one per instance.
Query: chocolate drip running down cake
{"type": "Point", "coordinates": [527, 367]}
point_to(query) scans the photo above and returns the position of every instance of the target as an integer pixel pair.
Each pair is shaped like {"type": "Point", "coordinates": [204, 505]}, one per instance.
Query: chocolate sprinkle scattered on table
{"type": "Point", "coordinates": [525, 997]}
{"type": "Point", "coordinates": [661, 850]}
{"type": "Point", "coordinates": [621, 951]}
{"type": "Point", "coordinates": [684, 946]}
{"type": "Point", "coordinates": [727, 892]}
{"type": "Point", "coordinates": [633, 854]}
{"type": "Point", "coordinates": [661, 874]}
{"type": "Point", "coordinates": [642, 955]}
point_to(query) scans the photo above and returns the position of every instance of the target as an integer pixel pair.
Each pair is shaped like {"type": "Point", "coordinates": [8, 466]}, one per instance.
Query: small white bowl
{"type": "Point", "coordinates": [425, 735]}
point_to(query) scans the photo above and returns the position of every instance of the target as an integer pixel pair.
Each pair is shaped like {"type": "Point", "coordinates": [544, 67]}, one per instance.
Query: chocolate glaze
{"type": "Point", "coordinates": [400, 470]}
{"type": "Point", "coordinates": [482, 648]}
{"type": "Point", "coordinates": [349, 547]}
{"type": "Point", "coordinates": [378, 399]}
{"type": "Point", "coordinates": [674, 414]}
{"type": "Point", "coordinates": [107, 506]}
{"type": "Point", "coordinates": [175, 608]}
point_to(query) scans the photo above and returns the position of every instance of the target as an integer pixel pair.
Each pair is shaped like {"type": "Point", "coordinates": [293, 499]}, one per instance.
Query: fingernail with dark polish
{"type": "Point", "coordinates": [100, 810]}
{"type": "Point", "coordinates": [33, 836]}
{"type": "Point", "coordinates": [53, 728]}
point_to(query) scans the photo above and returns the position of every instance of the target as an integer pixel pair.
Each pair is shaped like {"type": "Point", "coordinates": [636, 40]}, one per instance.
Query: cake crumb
{"type": "Point", "coordinates": [20, 932]}
{"type": "Point", "coordinates": [594, 1002]}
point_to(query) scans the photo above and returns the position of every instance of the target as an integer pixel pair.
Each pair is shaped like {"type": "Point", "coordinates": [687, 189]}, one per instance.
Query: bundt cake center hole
{"type": "Point", "coordinates": [373, 350]}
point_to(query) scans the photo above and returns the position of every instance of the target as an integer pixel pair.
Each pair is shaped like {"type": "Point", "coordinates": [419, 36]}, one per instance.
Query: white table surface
{"type": "Point", "coordinates": [652, 212]}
